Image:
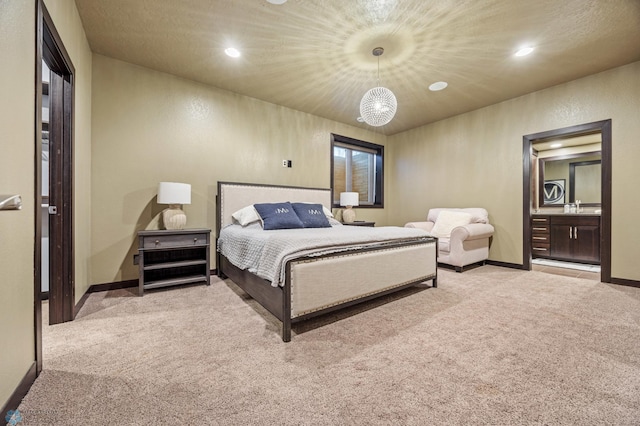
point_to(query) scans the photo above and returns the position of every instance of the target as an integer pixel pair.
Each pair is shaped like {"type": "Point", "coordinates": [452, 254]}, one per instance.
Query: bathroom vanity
{"type": "Point", "coordinates": [569, 237]}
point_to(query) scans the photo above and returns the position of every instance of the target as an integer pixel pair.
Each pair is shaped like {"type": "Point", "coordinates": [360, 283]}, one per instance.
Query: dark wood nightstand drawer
{"type": "Point", "coordinates": [168, 241]}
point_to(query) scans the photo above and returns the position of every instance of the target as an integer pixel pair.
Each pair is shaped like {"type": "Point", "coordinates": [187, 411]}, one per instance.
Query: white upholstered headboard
{"type": "Point", "coordinates": [233, 196]}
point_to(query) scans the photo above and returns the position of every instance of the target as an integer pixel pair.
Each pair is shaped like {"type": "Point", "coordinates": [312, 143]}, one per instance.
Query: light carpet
{"type": "Point", "coordinates": [489, 346]}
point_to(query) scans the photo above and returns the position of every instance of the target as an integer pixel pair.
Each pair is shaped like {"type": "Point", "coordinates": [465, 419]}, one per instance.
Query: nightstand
{"type": "Point", "coordinates": [360, 223]}
{"type": "Point", "coordinates": [173, 257]}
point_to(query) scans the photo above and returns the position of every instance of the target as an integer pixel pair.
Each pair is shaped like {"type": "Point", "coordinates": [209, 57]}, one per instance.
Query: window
{"type": "Point", "coordinates": [357, 166]}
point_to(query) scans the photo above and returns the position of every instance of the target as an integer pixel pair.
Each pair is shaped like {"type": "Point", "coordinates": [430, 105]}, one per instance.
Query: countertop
{"type": "Point", "coordinates": [566, 214]}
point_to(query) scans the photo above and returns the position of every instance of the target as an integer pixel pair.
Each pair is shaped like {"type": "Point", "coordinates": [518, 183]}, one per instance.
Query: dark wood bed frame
{"type": "Point", "coordinates": [277, 300]}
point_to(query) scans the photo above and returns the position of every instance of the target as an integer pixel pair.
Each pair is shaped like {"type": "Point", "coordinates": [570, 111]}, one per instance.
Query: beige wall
{"type": "Point", "coordinates": [150, 127]}
{"type": "Point", "coordinates": [475, 159]}
{"type": "Point", "coordinates": [17, 105]}
{"type": "Point", "coordinates": [67, 22]}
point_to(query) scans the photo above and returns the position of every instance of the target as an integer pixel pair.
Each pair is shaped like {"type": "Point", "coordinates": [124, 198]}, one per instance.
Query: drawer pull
{"type": "Point", "coordinates": [539, 229]}
{"type": "Point", "coordinates": [539, 220]}
{"type": "Point", "coordinates": [157, 242]}
{"type": "Point", "coordinates": [195, 240]}
{"type": "Point", "coordinates": [540, 249]}
{"type": "Point", "coordinates": [539, 238]}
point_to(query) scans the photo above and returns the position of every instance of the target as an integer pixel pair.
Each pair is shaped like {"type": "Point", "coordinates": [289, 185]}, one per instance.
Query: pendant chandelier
{"type": "Point", "coordinates": [378, 106]}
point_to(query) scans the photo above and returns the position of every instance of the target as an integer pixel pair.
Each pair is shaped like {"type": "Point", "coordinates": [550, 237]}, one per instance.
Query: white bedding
{"type": "Point", "coordinates": [265, 253]}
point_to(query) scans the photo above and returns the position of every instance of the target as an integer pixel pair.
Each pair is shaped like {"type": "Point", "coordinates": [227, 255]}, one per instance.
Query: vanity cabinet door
{"type": "Point", "coordinates": [575, 238]}
{"type": "Point", "coordinates": [587, 243]}
{"type": "Point", "coordinates": [561, 241]}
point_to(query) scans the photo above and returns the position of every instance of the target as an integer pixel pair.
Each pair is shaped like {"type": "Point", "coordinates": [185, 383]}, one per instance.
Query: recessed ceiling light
{"type": "Point", "coordinates": [232, 51]}
{"type": "Point", "coordinates": [524, 51]}
{"type": "Point", "coordinates": [277, 1]}
{"type": "Point", "coordinates": [438, 85]}
{"type": "Point", "coordinates": [556, 145]}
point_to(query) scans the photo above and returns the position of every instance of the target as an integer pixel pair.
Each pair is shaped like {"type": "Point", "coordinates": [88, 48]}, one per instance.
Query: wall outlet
{"type": "Point", "coordinates": [286, 163]}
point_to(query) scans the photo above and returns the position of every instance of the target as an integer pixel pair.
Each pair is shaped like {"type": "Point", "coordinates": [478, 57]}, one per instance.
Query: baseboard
{"type": "Point", "coordinates": [20, 392]}
{"type": "Point", "coordinates": [117, 285]}
{"type": "Point", "coordinates": [624, 281]}
{"type": "Point", "coordinates": [505, 264]}
{"type": "Point", "coordinates": [619, 281]}
{"type": "Point", "coordinates": [80, 303]}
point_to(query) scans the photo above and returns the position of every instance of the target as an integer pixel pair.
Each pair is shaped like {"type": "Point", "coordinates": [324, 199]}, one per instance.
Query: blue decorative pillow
{"type": "Point", "coordinates": [311, 215]}
{"type": "Point", "coordinates": [278, 216]}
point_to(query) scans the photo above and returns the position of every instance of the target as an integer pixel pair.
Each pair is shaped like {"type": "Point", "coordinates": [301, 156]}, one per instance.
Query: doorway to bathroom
{"type": "Point", "coordinates": [557, 236]}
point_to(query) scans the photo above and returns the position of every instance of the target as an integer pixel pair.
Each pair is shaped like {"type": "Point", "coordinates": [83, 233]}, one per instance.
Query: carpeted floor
{"type": "Point", "coordinates": [488, 346]}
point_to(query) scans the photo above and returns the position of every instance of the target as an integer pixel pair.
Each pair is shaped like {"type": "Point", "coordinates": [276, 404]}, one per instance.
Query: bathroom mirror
{"type": "Point", "coordinates": [567, 178]}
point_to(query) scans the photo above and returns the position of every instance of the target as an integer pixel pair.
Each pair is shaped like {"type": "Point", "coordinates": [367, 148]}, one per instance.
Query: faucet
{"type": "Point", "coordinates": [578, 206]}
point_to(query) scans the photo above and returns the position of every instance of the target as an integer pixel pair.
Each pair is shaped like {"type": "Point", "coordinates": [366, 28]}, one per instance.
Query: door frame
{"type": "Point", "coordinates": [49, 47]}
{"type": "Point", "coordinates": [604, 127]}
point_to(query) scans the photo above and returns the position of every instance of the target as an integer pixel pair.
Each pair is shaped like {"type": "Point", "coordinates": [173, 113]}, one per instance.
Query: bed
{"type": "Point", "coordinates": [308, 281]}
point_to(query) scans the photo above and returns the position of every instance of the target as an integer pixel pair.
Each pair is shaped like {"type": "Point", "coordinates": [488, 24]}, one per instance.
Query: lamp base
{"type": "Point", "coordinates": [348, 215]}
{"type": "Point", "coordinates": [174, 218]}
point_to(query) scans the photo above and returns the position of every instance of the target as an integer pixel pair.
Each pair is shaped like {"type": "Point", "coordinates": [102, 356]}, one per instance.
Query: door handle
{"type": "Point", "coordinates": [575, 232]}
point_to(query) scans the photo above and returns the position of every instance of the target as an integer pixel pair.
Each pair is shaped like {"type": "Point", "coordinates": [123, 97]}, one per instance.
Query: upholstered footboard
{"type": "Point", "coordinates": [321, 284]}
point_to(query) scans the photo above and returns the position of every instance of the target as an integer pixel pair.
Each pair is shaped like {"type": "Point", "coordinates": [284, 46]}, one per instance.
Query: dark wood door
{"type": "Point", "coordinates": [61, 254]}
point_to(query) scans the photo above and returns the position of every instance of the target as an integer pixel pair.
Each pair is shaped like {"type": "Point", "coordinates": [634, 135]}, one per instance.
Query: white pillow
{"type": "Point", "coordinates": [246, 215]}
{"type": "Point", "coordinates": [334, 222]}
{"type": "Point", "coordinates": [447, 220]}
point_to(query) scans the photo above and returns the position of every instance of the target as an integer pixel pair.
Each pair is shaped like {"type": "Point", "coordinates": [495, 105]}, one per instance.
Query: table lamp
{"type": "Point", "coordinates": [349, 199]}
{"type": "Point", "coordinates": [174, 194]}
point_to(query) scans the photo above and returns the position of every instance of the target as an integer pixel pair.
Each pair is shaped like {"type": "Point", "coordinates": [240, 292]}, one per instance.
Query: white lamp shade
{"type": "Point", "coordinates": [349, 198]}
{"type": "Point", "coordinates": [174, 193]}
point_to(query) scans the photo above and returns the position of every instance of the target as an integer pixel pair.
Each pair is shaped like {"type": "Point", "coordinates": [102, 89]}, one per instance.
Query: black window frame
{"type": "Point", "coordinates": [378, 202]}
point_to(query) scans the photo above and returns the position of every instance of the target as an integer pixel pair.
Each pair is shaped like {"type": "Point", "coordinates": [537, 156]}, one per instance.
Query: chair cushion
{"type": "Point", "coordinates": [444, 245]}
{"type": "Point", "coordinates": [449, 219]}
{"type": "Point", "coordinates": [478, 214]}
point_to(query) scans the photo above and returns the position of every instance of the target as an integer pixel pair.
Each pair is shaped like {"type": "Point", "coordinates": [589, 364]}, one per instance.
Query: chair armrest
{"type": "Point", "coordinates": [472, 231]}
{"type": "Point", "coordinates": [425, 226]}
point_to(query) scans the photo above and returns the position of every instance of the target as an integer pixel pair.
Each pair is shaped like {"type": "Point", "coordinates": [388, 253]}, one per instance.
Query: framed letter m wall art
{"type": "Point", "coordinates": [554, 191]}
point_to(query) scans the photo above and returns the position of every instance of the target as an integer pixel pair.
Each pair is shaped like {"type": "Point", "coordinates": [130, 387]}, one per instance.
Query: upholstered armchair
{"type": "Point", "coordinates": [463, 235]}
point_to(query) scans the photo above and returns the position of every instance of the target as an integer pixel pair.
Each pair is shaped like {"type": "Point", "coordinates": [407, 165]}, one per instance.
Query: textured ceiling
{"type": "Point", "coordinates": [315, 55]}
